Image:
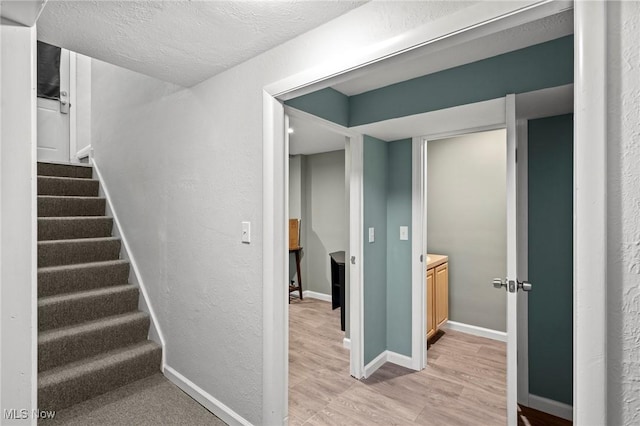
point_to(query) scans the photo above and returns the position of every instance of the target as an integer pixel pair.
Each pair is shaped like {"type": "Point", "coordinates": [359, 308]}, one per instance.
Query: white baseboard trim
{"type": "Point", "coordinates": [346, 342]}
{"type": "Point", "coordinates": [376, 363]}
{"type": "Point", "coordinates": [315, 295]}
{"type": "Point", "coordinates": [222, 411]}
{"type": "Point", "coordinates": [558, 409]}
{"type": "Point", "coordinates": [387, 356]}
{"type": "Point", "coordinates": [155, 332]}
{"type": "Point", "coordinates": [477, 331]}
{"type": "Point", "coordinates": [399, 359]}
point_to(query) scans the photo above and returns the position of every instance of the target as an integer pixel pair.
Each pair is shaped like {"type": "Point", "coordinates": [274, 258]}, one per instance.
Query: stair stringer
{"type": "Point", "coordinates": [135, 277]}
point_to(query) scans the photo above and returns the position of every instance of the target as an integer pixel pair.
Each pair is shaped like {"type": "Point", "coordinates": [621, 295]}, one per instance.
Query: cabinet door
{"type": "Point", "coordinates": [442, 294]}
{"type": "Point", "coordinates": [431, 306]}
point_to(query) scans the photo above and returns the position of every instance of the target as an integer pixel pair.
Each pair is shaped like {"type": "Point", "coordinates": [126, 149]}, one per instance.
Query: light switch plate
{"type": "Point", "coordinates": [404, 232]}
{"type": "Point", "coordinates": [371, 235]}
{"type": "Point", "coordinates": [246, 232]}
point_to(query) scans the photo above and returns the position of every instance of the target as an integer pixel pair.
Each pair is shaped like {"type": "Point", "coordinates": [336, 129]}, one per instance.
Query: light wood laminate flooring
{"type": "Point", "coordinates": [464, 383]}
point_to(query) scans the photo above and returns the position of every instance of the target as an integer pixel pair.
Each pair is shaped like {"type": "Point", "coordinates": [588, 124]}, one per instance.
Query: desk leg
{"type": "Point", "coordinates": [299, 275]}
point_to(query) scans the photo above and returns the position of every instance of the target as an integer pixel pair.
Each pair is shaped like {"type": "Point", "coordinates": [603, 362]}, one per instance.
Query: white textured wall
{"type": "Point", "coordinates": [185, 168]}
{"type": "Point", "coordinates": [624, 213]}
{"type": "Point", "coordinates": [17, 222]}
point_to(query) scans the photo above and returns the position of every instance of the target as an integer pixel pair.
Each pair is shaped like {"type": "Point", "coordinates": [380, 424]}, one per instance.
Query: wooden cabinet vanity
{"type": "Point", "coordinates": [437, 292]}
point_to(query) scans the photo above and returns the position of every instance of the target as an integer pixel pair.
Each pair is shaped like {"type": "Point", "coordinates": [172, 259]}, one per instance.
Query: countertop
{"type": "Point", "coordinates": [434, 260]}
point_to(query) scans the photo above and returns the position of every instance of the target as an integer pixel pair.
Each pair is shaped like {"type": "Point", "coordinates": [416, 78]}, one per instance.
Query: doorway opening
{"type": "Point", "coordinates": [63, 105]}
{"type": "Point", "coordinates": [303, 84]}
{"type": "Point", "coordinates": [466, 220]}
{"type": "Point", "coordinates": [466, 225]}
{"type": "Point", "coordinates": [323, 184]}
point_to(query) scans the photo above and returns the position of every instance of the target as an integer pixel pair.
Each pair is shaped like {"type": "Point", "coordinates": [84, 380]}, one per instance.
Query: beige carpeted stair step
{"type": "Point", "coordinates": [65, 170]}
{"type": "Point", "coordinates": [67, 186]}
{"type": "Point", "coordinates": [60, 228]}
{"type": "Point", "coordinates": [75, 308]}
{"type": "Point", "coordinates": [84, 276]}
{"type": "Point", "coordinates": [82, 250]}
{"type": "Point", "coordinates": [68, 344]}
{"type": "Point", "coordinates": [56, 206]}
{"type": "Point", "coordinates": [72, 383]}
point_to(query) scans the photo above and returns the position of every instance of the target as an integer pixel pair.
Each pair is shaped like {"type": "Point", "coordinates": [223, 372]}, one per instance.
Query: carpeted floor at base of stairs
{"type": "Point", "coordinates": [153, 401]}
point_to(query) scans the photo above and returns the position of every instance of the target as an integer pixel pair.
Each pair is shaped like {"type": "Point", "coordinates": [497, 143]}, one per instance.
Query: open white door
{"type": "Point", "coordinates": [512, 284]}
{"type": "Point", "coordinates": [354, 151]}
{"type": "Point", "coordinates": [54, 118]}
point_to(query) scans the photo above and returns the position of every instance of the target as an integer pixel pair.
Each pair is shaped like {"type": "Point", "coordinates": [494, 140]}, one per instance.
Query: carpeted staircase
{"type": "Point", "coordinates": [91, 336]}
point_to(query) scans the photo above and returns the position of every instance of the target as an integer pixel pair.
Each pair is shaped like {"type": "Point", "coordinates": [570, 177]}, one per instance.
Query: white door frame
{"type": "Point", "coordinates": [354, 169]}
{"type": "Point", "coordinates": [512, 262]}
{"type": "Point", "coordinates": [418, 250]}
{"type": "Point", "coordinates": [522, 170]}
{"type": "Point", "coordinates": [590, 214]}
{"type": "Point", "coordinates": [73, 111]}
{"type": "Point", "coordinates": [589, 196]}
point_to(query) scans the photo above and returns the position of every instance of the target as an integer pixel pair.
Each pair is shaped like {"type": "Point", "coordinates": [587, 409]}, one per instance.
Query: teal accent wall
{"type": "Point", "coordinates": [551, 257]}
{"type": "Point", "coordinates": [399, 251]}
{"type": "Point", "coordinates": [536, 67]}
{"type": "Point", "coordinates": [387, 261]}
{"type": "Point", "coordinates": [375, 177]}
{"type": "Point", "coordinates": [326, 103]}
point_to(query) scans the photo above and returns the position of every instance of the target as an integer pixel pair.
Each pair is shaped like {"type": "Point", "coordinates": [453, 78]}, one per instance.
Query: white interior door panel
{"type": "Point", "coordinates": [53, 119]}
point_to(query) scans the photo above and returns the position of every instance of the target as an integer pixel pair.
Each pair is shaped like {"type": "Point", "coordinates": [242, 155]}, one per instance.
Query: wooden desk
{"type": "Point", "coordinates": [296, 250]}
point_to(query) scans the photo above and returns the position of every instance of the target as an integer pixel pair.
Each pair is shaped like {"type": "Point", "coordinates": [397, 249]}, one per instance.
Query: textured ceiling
{"type": "Point", "coordinates": [184, 42]}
